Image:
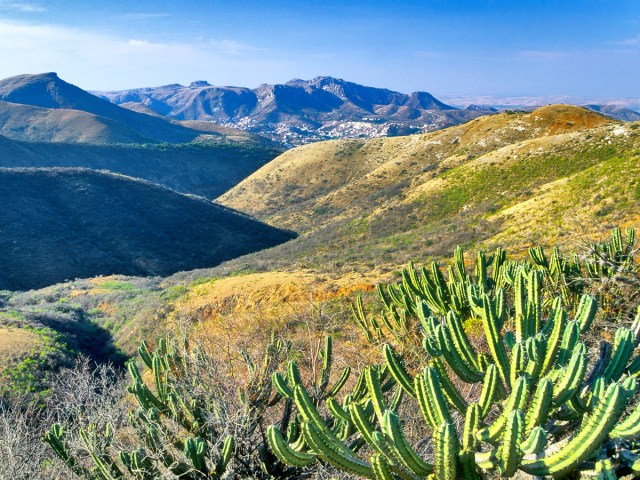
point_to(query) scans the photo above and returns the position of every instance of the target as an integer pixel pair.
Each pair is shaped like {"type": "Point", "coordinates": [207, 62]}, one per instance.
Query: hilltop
{"type": "Point", "coordinates": [68, 223]}
{"type": "Point", "coordinates": [511, 177]}
{"type": "Point", "coordinates": [43, 107]}
{"type": "Point", "coordinates": [299, 111]}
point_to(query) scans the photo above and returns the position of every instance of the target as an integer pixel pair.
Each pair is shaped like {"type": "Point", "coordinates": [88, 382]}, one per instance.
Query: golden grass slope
{"type": "Point", "coordinates": [512, 179]}
{"type": "Point", "coordinates": [352, 175]}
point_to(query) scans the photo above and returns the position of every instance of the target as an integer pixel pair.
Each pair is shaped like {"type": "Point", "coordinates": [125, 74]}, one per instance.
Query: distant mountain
{"type": "Point", "coordinates": [66, 223]}
{"type": "Point", "coordinates": [617, 112]}
{"type": "Point", "coordinates": [299, 111]}
{"type": "Point", "coordinates": [44, 107]}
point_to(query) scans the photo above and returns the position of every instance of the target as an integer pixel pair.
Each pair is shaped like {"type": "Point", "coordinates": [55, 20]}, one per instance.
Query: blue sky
{"type": "Point", "coordinates": [447, 47]}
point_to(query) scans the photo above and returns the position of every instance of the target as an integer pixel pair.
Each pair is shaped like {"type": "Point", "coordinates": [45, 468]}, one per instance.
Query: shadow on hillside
{"type": "Point", "coordinates": [86, 338]}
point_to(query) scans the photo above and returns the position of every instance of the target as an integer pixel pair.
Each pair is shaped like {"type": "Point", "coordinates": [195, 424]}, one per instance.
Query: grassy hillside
{"type": "Point", "coordinates": [202, 169]}
{"type": "Point", "coordinates": [68, 223]}
{"type": "Point", "coordinates": [390, 200]}
{"type": "Point", "coordinates": [560, 175]}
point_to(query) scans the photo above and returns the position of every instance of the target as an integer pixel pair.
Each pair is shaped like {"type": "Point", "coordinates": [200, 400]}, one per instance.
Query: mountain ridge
{"type": "Point", "coordinates": [299, 111]}
{"type": "Point", "coordinates": [42, 101]}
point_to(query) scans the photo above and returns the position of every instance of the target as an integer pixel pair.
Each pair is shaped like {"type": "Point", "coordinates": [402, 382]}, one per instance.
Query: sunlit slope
{"type": "Point", "coordinates": [346, 177]}
{"type": "Point", "coordinates": [516, 178]}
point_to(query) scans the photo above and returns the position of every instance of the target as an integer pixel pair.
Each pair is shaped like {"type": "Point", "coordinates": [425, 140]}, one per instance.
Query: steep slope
{"type": "Point", "coordinates": [617, 112]}
{"type": "Point", "coordinates": [329, 179]}
{"type": "Point", "coordinates": [206, 169]}
{"type": "Point", "coordinates": [35, 124]}
{"type": "Point", "coordinates": [65, 113]}
{"type": "Point", "coordinates": [390, 200]}
{"type": "Point", "coordinates": [67, 223]}
{"type": "Point", "coordinates": [299, 111]}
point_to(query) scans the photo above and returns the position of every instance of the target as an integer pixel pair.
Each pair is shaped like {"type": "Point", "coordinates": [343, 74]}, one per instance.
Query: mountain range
{"type": "Point", "coordinates": [47, 122]}
{"type": "Point", "coordinates": [299, 111]}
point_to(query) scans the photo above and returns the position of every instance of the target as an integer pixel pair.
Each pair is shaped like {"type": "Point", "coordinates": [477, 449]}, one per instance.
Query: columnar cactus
{"type": "Point", "coordinates": [181, 424]}
{"type": "Point", "coordinates": [543, 408]}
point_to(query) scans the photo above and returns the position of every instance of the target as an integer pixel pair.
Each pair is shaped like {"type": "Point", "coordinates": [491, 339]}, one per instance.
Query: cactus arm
{"type": "Point", "coordinates": [424, 403]}
{"type": "Point", "coordinates": [573, 376]}
{"type": "Point", "coordinates": [594, 430]}
{"type": "Point", "coordinates": [461, 340]}
{"type": "Point", "coordinates": [342, 379]}
{"type": "Point", "coordinates": [462, 368]}
{"type": "Point", "coordinates": [195, 450]}
{"type": "Point", "coordinates": [336, 409]}
{"type": "Point", "coordinates": [311, 416]}
{"type": "Point", "coordinates": [396, 367]}
{"type": "Point", "coordinates": [454, 397]}
{"type": "Point", "coordinates": [470, 443]}
{"type": "Point", "coordinates": [535, 442]}
{"type": "Point", "coordinates": [284, 452]}
{"type": "Point", "coordinates": [380, 468]}
{"type": "Point", "coordinates": [510, 453]}
{"type": "Point", "coordinates": [559, 320]}
{"type": "Point", "coordinates": [494, 339]}
{"type": "Point", "coordinates": [569, 339]}
{"type": "Point", "coordinates": [228, 449]}
{"type": "Point", "coordinates": [540, 405]}
{"type": "Point", "coordinates": [518, 362]}
{"type": "Point", "coordinates": [489, 389]}
{"type": "Point", "coordinates": [534, 301]}
{"type": "Point", "coordinates": [281, 385]}
{"type": "Point", "coordinates": [327, 362]}
{"type": "Point", "coordinates": [55, 437]}
{"type": "Point", "coordinates": [326, 449]}
{"type": "Point", "coordinates": [520, 304]}
{"type": "Point", "coordinates": [629, 428]}
{"type": "Point", "coordinates": [435, 397]}
{"type": "Point", "coordinates": [516, 401]}
{"type": "Point", "coordinates": [375, 393]}
{"type": "Point", "coordinates": [446, 452]}
{"type": "Point", "coordinates": [622, 350]}
{"type": "Point", "coordinates": [145, 354]}
{"type": "Point", "coordinates": [409, 457]}
{"type": "Point", "coordinates": [586, 312]}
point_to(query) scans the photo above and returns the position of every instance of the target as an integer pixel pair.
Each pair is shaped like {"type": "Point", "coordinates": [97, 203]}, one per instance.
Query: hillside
{"type": "Point", "coordinates": [390, 200]}
{"type": "Point", "coordinates": [299, 111]}
{"type": "Point", "coordinates": [207, 170]}
{"type": "Point", "coordinates": [68, 223]}
{"type": "Point", "coordinates": [44, 107]}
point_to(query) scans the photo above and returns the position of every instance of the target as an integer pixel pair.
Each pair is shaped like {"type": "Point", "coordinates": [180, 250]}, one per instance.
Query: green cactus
{"type": "Point", "coordinates": [535, 389]}
{"type": "Point", "coordinates": [182, 431]}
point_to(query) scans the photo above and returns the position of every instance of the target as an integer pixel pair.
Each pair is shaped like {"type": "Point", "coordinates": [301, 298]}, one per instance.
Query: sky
{"type": "Point", "coordinates": [583, 48]}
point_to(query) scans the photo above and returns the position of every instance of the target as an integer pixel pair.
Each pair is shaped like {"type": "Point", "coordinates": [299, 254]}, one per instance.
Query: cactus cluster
{"type": "Point", "coordinates": [526, 398]}
{"type": "Point", "coordinates": [182, 427]}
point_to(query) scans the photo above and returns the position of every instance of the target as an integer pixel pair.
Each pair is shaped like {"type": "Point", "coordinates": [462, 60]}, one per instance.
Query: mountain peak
{"type": "Point", "coordinates": [200, 83]}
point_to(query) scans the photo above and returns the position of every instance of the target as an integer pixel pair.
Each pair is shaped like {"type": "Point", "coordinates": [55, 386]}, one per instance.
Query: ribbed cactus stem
{"type": "Point", "coordinates": [594, 430]}
{"type": "Point", "coordinates": [446, 452]}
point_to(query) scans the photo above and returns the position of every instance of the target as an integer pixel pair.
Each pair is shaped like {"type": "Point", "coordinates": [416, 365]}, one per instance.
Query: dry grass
{"type": "Point", "coordinates": [15, 343]}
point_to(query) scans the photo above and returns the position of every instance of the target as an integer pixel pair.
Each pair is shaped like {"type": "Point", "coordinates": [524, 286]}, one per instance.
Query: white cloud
{"type": "Point", "coordinates": [542, 54]}
{"type": "Point", "coordinates": [22, 7]}
{"type": "Point", "coordinates": [629, 42]}
{"type": "Point", "coordinates": [145, 15]}
{"type": "Point", "coordinates": [97, 61]}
